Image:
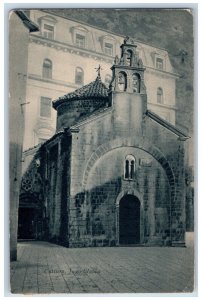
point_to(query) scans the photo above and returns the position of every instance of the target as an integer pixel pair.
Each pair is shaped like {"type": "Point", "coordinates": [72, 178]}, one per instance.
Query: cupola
{"type": "Point", "coordinates": [82, 102]}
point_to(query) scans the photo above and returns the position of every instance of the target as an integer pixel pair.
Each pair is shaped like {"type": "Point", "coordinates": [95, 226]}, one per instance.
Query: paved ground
{"type": "Point", "coordinates": [46, 268]}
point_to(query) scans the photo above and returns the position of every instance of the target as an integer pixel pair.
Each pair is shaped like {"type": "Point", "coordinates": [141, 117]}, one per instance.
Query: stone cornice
{"type": "Point", "coordinates": [161, 73]}
{"type": "Point", "coordinates": [70, 48]}
{"type": "Point", "coordinates": [53, 81]}
{"type": "Point", "coordinates": [40, 40]}
{"type": "Point", "coordinates": [163, 105]}
{"type": "Point", "coordinates": [105, 31]}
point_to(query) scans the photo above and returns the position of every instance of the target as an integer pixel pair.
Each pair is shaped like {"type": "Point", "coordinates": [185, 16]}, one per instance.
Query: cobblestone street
{"type": "Point", "coordinates": [44, 268]}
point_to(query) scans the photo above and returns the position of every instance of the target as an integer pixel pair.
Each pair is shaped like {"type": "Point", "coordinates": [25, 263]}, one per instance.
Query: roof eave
{"type": "Point", "coordinates": [181, 136]}
{"type": "Point", "coordinates": [58, 102]}
{"type": "Point", "coordinates": [26, 21]}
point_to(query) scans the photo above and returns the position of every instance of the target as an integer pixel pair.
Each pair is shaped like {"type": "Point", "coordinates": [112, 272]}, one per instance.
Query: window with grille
{"type": "Point", "coordinates": [79, 76]}
{"type": "Point", "coordinates": [45, 107]}
{"type": "Point", "coordinates": [159, 63]}
{"type": "Point", "coordinates": [129, 170]}
{"type": "Point", "coordinates": [48, 31]}
{"type": "Point", "coordinates": [159, 95]}
{"type": "Point", "coordinates": [47, 68]}
{"type": "Point", "coordinates": [108, 49]}
{"type": "Point", "coordinates": [80, 40]}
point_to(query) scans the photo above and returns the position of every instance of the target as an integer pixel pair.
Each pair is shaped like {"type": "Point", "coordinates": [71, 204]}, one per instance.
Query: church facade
{"type": "Point", "coordinates": [113, 174]}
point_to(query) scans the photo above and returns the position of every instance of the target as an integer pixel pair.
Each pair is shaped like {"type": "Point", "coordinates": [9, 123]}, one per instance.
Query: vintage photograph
{"type": "Point", "coordinates": [101, 151]}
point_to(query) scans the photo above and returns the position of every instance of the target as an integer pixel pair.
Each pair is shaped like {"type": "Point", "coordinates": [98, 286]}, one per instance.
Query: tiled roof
{"type": "Point", "coordinates": [95, 89]}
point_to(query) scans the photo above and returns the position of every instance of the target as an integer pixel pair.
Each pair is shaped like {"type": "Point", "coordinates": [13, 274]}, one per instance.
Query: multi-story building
{"type": "Point", "coordinates": [64, 55]}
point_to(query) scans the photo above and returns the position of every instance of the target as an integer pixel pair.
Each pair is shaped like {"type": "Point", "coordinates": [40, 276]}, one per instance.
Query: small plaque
{"type": "Point", "coordinates": [145, 162]}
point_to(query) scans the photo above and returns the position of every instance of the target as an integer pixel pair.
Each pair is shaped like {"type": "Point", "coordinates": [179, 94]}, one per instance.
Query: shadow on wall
{"type": "Point", "coordinates": [94, 219]}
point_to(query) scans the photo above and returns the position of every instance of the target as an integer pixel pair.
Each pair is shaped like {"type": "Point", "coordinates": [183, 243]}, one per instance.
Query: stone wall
{"type": "Point", "coordinates": [95, 222]}
{"type": "Point", "coordinates": [84, 179]}
{"type": "Point", "coordinates": [70, 112]}
{"type": "Point", "coordinates": [57, 189]}
{"type": "Point", "coordinates": [97, 177]}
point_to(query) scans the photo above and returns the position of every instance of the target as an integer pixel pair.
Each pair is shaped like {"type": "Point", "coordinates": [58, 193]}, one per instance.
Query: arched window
{"type": "Point", "coordinates": [136, 83]}
{"type": "Point", "coordinates": [47, 68]}
{"type": "Point", "coordinates": [129, 171]}
{"type": "Point", "coordinates": [126, 169]}
{"type": "Point", "coordinates": [159, 95]}
{"type": "Point", "coordinates": [122, 81]}
{"type": "Point", "coordinates": [132, 169]}
{"type": "Point", "coordinates": [79, 76]}
{"type": "Point", "coordinates": [129, 57]}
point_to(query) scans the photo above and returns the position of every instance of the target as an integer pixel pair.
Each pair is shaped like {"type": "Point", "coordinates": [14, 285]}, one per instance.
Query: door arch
{"type": "Point", "coordinates": [30, 221]}
{"type": "Point", "coordinates": [27, 223]}
{"type": "Point", "coordinates": [129, 220]}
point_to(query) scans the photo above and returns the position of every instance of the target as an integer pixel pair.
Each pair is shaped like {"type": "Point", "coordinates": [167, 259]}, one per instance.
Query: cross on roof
{"type": "Point", "coordinates": [98, 70]}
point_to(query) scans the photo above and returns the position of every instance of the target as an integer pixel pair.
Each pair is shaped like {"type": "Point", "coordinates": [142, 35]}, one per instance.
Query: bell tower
{"type": "Point", "coordinates": [128, 71]}
{"type": "Point", "coordinates": [127, 89]}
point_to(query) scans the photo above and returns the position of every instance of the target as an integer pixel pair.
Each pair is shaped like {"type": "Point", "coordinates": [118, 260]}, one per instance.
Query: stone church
{"type": "Point", "coordinates": [113, 174]}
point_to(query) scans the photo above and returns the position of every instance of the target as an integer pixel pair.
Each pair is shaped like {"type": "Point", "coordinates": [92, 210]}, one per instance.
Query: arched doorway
{"type": "Point", "coordinates": [27, 223]}
{"type": "Point", "coordinates": [129, 220]}
{"type": "Point", "coordinates": [30, 221]}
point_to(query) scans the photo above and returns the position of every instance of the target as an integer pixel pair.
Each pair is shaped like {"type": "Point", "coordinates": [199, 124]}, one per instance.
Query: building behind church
{"type": "Point", "coordinates": [62, 57]}
{"type": "Point", "coordinates": [113, 173]}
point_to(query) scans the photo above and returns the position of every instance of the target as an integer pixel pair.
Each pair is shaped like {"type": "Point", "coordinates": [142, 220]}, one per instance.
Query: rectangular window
{"type": "Point", "coordinates": [48, 31]}
{"type": "Point", "coordinates": [80, 40]}
{"type": "Point", "coordinates": [45, 107]}
{"type": "Point", "coordinates": [159, 63]}
{"type": "Point", "coordinates": [108, 49]}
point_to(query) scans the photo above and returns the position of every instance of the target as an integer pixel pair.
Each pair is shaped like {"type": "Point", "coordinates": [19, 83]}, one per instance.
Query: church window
{"type": "Point", "coordinates": [108, 49]}
{"type": "Point", "coordinates": [136, 83]}
{"type": "Point", "coordinates": [79, 76]}
{"type": "Point", "coordinates": [122, 81]}
{"type": "Point", "coordinates": [132, 168]}
{"type": "Point", "coordinates": [129, 57]}
{"type": "Point", "coordinates": [159, 63]}
{"type": "Point", "coordinates": [129, 167]}
{"type": "Point", "coordinates": [159, 95]}
{"type": "Point", "coordinates": [45, 107]}
{"type": "Point", "coordinates": [47, 69]}
{"type": "Point", "coordinates": [48, 31]}
{"type": "Point", "coordinates": [80, 40]}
